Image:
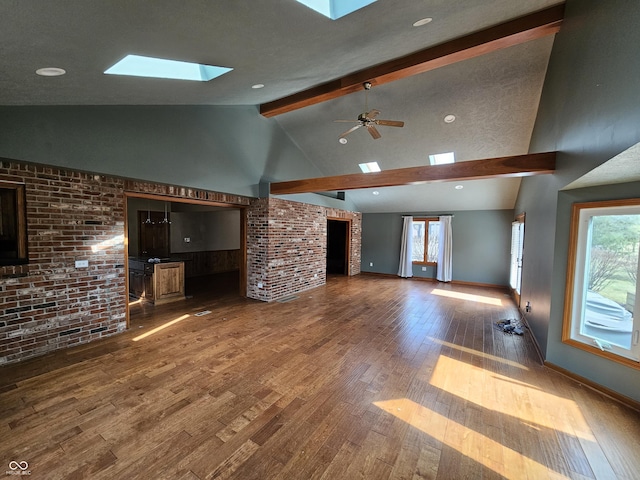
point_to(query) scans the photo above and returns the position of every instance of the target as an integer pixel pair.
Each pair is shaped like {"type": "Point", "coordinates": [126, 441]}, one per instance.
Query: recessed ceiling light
{"type": "Point", "coordinates": [442, 158]}
{"type": "Point", "coordinates": [335, 9]}
{"type": "Point", "coordinates": [459, 187]}
{"type": "Point", "coordinates": [369, 167]}
{"type": "Point", "coordinates": [139, 66]}
{"type": "Point", "coordinates": [449, 118]}
{"type": "Point", "coordinates": [257, 86]}
{"type": "Point", "coordinates": [342, 140]}
{"type": "Point", "coordinates": [376, 192]}
{"type": "Point", "coordinates": [51, 72]}
{"type": "Point", "coordinates": [422, 22]}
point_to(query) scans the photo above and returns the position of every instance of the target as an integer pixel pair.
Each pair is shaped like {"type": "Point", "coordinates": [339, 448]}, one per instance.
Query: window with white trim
{"type": "Point", "coordinates": [601, 301]}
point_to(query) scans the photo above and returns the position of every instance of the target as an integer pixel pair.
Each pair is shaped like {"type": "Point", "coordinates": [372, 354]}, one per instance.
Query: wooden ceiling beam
{"type": "Point", "coordinates": [514, 166]}
{"type": "Point", "coordinates": [514, 32]}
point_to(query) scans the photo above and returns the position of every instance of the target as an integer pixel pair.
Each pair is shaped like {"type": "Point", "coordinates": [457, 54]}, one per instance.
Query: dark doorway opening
{"type": "Point", "coordinates": [338, 247]}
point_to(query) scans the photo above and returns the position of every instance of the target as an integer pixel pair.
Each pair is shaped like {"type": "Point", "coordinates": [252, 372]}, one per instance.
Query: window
{"type": "Point", "coordinates": [425, 241]}
{"type": "Point", "coordinates": [13, 224]}
{"type": "Point", "coordinates": [601, 299]}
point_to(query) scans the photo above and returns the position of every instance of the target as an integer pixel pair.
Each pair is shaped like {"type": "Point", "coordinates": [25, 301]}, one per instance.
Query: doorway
{"type": "Point", "coordinates": [338, 246]}
{"type": "Point", "coordinates": [205, 239]}
{"type": "Point", "coordinates": [517, 251]}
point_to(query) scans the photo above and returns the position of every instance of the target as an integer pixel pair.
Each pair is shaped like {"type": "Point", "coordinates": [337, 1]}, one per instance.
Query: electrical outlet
{"type": "Point", "coordinates": [82, 263]}
{"type": "Point", "coordinates": [259, 284]}
{"type": "Point", "coordinates": [424, 269]}
{"type": "Point", "coordinates": [187, 239]}
{"type": "Point", "coordinates": [371, 264]}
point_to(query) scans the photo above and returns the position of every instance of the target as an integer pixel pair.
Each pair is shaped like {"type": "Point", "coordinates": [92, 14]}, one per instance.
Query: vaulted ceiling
{"type": "Point", "coordinates": [290, 49]}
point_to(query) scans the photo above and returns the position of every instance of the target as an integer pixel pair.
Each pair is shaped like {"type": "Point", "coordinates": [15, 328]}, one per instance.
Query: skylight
{"type": "Point", "coordinates": [139, 66]}
{"type": "Point", "coordinates": [369, 167]}
{"type": "Point", "coordinates": [442, 158]}
{"type": "Point", "coordinates": [335, 9]}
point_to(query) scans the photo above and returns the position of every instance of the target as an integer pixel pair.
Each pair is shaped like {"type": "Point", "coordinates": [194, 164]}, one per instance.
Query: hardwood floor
{"type": "Point", "coordinates": [367, 377]}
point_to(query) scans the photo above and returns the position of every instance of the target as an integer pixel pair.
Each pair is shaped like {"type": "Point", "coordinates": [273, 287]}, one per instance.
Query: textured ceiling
{"type": "Point", "coordinates": [624, 167]}
{"type": "Point", "coordinates": [289, 47]}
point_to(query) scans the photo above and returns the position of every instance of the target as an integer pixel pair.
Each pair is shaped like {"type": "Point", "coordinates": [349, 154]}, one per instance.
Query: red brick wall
{"type": "Point", "coordinates": [258, 249]}
{"type": "Point", "coordinates": [49, 304]}
{"type": "Point", "coordinates": [355, 236]}
{"type": "Point", "coordinates": [287, 247]}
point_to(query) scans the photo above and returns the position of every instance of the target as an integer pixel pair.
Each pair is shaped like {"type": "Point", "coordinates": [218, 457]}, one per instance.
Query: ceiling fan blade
{"type": "Point", "coordinates": [372, 114]}
{"type": "Point", "coordinates": [373, 131]}
{"type": "Point", "coordinates": [350, 130]}
{"type": "Point", "coordinates": [389, 123]}
{"type": "Point", "coordinates": [345, 121]}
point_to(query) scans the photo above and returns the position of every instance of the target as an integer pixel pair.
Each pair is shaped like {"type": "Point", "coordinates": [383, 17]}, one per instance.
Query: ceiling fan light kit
{"type": "Point", "coordinates": [368, 120]}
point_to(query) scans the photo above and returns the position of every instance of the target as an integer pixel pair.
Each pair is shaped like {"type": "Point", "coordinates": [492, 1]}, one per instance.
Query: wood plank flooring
{"type": "Point", "coordinates": [366, 377]}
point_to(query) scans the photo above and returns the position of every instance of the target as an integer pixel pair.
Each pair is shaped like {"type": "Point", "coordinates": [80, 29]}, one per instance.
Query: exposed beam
{"type": "Point", "coordinates": [514, 166]}
{"type": "Point", "coordinates": [514, 32]}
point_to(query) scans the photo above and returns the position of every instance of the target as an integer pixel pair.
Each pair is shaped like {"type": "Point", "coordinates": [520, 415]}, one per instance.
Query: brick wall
{"type": "Point", "coordinates": [258, 249]}
{"type": "Point", "coordinates": [355, 239]}
{"type": "Point", "coordinates": [287, 247]}
{"type": "Point", "coordinates": [49, 304]}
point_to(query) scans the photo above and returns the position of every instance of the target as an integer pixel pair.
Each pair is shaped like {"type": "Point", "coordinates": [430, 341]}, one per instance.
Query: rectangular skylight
{"type": "Point", "coordinates": [442, 158]}
{"type": "Point", "coordinates": [139, 66]}
{"type": "Point", "coordinates": [369, 167]}
{"type": "Point", "coordinates": [335, 9]}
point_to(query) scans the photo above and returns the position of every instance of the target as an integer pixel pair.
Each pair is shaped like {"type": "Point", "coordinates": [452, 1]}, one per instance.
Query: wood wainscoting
{"type": "Point", "coordinates": [365, 377]}
{"type": "Point", "coordinates": [197, 264]}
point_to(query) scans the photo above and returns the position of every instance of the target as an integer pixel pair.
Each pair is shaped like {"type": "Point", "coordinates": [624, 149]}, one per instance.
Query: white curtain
{"type": "Point", "coordinates": [445, 250]}
{"type": "Point", "coordinates": [406, 248]}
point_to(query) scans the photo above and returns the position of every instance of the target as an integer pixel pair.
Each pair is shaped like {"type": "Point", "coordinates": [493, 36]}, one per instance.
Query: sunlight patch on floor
{"type": "Point", "coordinates": [478, 353]}
{"type": "Point", "coordinates": [487, 452]}
{"type": "Point", "coordinates": [160, 328]}
{"type": "Point", "coordinates": [493, 391]}
{"type": "Point", "coordinates": [468, 296]}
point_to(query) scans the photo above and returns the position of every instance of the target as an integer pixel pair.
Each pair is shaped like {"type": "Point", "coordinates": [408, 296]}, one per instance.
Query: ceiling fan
{"type": "Point", "coordinates": [368, 120]}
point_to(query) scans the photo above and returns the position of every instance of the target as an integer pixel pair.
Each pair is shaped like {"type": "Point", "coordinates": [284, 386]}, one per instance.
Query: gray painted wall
{"type": "Point", "coordinates": [220, 148]}
{"type": "Point", "coordinates": [481, 245]}
{"type": "Point", "coordinates": [207, 231]}
{"type": "Point", "coordinates": [321, 200]}
{"type": "Point", "coordinates": [589, 112]}
{"type": "Point", "coordinates": [209, 228]}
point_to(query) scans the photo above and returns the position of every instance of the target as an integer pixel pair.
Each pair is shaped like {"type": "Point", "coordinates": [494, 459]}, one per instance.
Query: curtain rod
{"type": "Point", "coordinates": [432, 215]}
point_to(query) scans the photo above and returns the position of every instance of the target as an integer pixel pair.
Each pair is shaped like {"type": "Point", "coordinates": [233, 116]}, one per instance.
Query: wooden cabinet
{"type": "Point", "coordinates": [168, 282]}
{"type": "Point", "coordinates": [136, 283]}
{"type": "Point", "coordinates": [156, 282]}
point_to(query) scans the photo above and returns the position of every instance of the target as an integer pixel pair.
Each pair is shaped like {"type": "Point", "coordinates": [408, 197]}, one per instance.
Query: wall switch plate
{"type": "Point", "coordinates": [371, 264]}
{"type": "Point", "coordinates": [424, 269]}
{"type": "Point", "coordinates": [187, 239]}
{"type": "Point", "coordinates": [259, 284]}
{"type": "Point", "coordinates": [82, 263]}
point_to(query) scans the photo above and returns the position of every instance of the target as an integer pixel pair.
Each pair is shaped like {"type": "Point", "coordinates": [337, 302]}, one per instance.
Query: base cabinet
{"type": "Point", "coordinates": [168, 282]}
{"type": "Point", "coordinates": [156, 282]}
